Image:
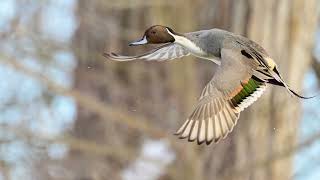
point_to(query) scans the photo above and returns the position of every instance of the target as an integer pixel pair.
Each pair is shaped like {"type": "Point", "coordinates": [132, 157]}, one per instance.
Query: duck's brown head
{"type": "Point", "coordinates": [156, 35]}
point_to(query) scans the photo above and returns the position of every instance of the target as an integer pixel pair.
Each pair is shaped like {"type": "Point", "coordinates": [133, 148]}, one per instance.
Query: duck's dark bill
{"type": "Point", "coordinates": [139, 42]}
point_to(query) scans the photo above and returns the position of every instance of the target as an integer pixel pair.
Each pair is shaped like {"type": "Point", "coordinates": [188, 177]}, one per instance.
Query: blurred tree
{"type": "Point", "coordinates": [164, 93]}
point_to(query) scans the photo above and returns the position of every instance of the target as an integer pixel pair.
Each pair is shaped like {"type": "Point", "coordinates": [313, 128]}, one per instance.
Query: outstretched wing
{"type": "Point", "coordinates": [232, 89]}
{"type": "Point", "coordinates": [165, 52]}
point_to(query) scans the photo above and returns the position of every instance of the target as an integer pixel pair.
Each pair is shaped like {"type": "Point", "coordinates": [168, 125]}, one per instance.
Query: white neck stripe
{"type": "Point", "coordinates": [193, 48]}
{"type": "Point", "coordinates": [189, 45]}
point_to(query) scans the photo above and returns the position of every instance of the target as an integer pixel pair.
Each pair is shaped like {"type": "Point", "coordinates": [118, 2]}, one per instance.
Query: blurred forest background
{"type": "Point", "coordinates": [68, 113]}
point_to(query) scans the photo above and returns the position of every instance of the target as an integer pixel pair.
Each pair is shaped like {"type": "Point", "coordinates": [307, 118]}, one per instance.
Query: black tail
{"type": "Point", "coordinates": [302, 97]}
{"type": "Point", "coordinates": [277, 83]}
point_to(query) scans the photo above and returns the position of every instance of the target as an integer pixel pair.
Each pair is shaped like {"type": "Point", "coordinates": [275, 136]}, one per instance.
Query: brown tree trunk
{"type": "Point", "coordinates": [164, 93]}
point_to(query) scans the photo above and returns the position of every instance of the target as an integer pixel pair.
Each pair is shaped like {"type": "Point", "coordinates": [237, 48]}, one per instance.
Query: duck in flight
{"type": "Point", "coordinates": [244, 71]}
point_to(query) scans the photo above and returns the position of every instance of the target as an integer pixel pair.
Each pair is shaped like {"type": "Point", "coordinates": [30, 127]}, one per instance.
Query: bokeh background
{"type": "Point", "coordinates": [68, 113]}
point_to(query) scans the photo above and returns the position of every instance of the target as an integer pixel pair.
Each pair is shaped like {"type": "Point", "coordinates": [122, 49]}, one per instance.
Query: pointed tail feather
{"type": "Point", "coordinates": [280, 82]}
{"type": "Point", "coordinates": [300, 96]}
{"type": "Point", "coordinates": [276, 75]}
{"type": "Point", "coordinates": [290, 91]}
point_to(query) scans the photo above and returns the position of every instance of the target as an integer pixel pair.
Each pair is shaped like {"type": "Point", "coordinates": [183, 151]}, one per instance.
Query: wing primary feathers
{"type": "Point", "coordinates": [165, 52]}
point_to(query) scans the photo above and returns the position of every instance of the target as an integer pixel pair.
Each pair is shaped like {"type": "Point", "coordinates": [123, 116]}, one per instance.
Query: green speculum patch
{"type": "Point", "coordinates": [246, 91]}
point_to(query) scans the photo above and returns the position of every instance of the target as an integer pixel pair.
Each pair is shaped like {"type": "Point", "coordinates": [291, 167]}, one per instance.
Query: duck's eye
{"type": "Point", "coordinates": [153, 32]}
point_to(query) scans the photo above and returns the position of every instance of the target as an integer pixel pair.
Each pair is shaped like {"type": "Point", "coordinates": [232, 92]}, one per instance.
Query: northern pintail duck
{"type": "Point", "coordinates": [245, 69]}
